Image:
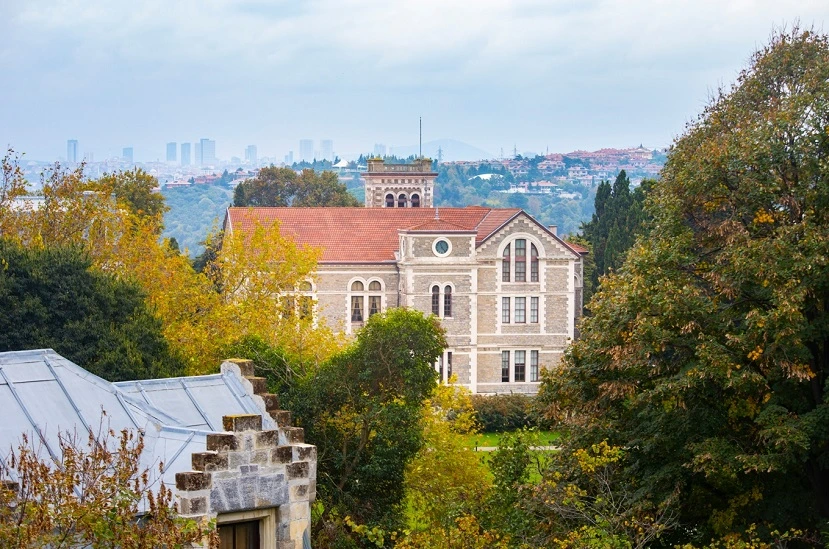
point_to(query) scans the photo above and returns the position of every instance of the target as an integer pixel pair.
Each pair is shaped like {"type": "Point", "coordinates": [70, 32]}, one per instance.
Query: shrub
{"type": "Point", "coordinates": [499, 413]}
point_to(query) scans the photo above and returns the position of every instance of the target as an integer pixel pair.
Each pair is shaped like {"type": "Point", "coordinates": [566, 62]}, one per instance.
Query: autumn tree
{"type": "Point", "coordinates": [707, 355]}
{"type": "Point", "coordinates": [274, 186]}
{"type": "Point", "coordinates": [96, 495]}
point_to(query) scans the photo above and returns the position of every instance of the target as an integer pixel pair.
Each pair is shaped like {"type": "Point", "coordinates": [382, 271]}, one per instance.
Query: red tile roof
{"type": "Point", "coordinates": [368, 235]}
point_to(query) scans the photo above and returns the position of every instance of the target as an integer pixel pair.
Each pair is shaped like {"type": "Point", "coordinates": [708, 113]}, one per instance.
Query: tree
{"type": "Point", "coordinates": [134, 189]}
{"type": "Point", "coordinates": [445, 480]}
{"type": "Point", "coordinates": [707, 355]}
{"type": "Point", "coordinates": [274, 186]}
{"type": "Point", "coordinates": [362, 410]}
{"type": "Point", "coordinates": [93, 497]}
{"type": "Point", "coordinates": [618, 219]}
{"type": "Point", "coordinates": [53, 298]}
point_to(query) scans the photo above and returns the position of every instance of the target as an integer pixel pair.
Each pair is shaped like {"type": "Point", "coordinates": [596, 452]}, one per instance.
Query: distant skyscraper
{"type": "Point", "coordinates": [250, 155]}
{"type": "Point", "coordinates": [208, 151]}
{"type": "Point", "coordinates": [127, 154]}
{"type": "Point", "coordinates": [327, 149]}
{"type": "Point", "coordinates": [306, 150]}
{"type": "Point", "coordinates": [379, 150]}
{"type": "Point", "coordinates": [198, 152]}
{"type": "Point", "coordinates": [72, 151]}
{"type": "Point", "coordinates": [289, 158]}
{"type": "Point", "coordinates": [171, 151]}
{"type": "Point", "coordinates": [185, 154]}
{"type": "Point", "coordinates": [88, 157]}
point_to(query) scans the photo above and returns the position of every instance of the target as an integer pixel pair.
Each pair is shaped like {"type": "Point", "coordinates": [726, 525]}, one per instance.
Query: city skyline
{"type": "Point", "coordinates": [581, 76]}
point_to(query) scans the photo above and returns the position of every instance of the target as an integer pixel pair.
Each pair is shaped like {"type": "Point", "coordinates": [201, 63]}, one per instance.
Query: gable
{"type": "Point", "coordinates": [524, 224]}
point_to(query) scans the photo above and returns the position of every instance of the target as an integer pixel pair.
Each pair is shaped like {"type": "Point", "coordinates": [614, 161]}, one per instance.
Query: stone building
{"type": "Point", "coordinates": [508, 290]}
{"type": "Point", "coordinates": [228, 450]}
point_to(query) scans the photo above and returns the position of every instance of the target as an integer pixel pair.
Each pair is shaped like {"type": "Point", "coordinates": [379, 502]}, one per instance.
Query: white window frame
{"type": "Point", "coordinates": [529, 354]}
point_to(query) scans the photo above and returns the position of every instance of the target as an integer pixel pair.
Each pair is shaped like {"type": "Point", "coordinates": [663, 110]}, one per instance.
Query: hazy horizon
{"type": "Point", "coordinates": [490, 73]}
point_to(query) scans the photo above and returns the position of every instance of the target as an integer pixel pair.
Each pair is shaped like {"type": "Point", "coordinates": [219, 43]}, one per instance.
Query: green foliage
{"type": "Point", "coordinates": [618, 219]}
{"type": "Point", "coordinates": [134, 190]}
{"type": "Point", "coordinates": [52, 298]}
{"type": "Point", "coordinates": [707, 355]}
{"type": "Point", "coordinates": [194, 213]}
{"type": "Point", "coordinates": [274, 186]}
{"type": "Point", "coordinates": [509, 412]}
{"type": "Point", "coordinates": [362, 409]}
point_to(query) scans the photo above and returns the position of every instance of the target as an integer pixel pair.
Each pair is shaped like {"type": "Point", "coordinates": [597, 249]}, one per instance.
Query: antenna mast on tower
{"type": "Point", "coordinates": [420, 139]}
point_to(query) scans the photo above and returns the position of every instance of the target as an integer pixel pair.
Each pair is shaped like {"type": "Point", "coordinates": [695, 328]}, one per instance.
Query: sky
{"type": "Point", "coordinates": [534, 74]}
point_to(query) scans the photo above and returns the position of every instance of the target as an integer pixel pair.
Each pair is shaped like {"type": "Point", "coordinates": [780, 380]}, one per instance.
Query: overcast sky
{"type": "Point", "coordinates": [493, 73]}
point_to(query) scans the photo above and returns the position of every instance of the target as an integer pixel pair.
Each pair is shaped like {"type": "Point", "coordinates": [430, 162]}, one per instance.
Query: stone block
{"type": "Point", "coordinates": [271, 491]}
{"type": "Point", "coordinates": [249, 469]}
{"type": "Point", "coordinates": [294, 435]}
{"type": "Point", "coordinates": [281, 417]}
{"type": "Point", "coordinates": [299, 492]}
{"type": "Point", "coordinates": [218, 442]}
{"type": "Point", "coordinates": [305, 452]}
{"type": "Point", "coordinates": [260, 457]}
{"type": "Point", "coordinates": [237, 459]}
{"type": "Point", "coordinates": [271, 401]}
{"type": "Point", "coordinates": [242, 422]}
{"type": "Point", "coordinates": [267, 439]}
{"type": "Point", "coordinates": [297, 470]}
{"type": "Point", "coordinates": [245, 365]}
{"type": "Point", "coordinates": [282, 454]}
{"type": "Point", "coordinates": [209, 461]}
{"type": "Point", "coordinates": [260, 384]}
{"type": "Point", "coordinates": [193, 506]}
{"type": "Point", "coordinates": [192, 480]}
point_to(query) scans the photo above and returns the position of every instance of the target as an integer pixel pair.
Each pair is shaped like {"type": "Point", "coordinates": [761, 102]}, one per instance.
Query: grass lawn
{"type": "Point", "coordinates": [546, 438]}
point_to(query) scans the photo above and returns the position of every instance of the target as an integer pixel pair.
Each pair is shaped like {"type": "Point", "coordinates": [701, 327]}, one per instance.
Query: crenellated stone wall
{"type": "Point", "coordinates": [249, 472]}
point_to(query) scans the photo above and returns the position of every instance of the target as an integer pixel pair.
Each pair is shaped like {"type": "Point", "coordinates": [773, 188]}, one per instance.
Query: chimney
{"type": "Point", "coordinates": [553, 229]}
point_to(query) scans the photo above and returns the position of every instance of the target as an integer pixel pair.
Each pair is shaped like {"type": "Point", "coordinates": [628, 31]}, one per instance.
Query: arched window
{"type": "Point", "coordinates": [520, 260]}
{"type": "Point", "coordinates": [447, 301]}
{"type": "Point", "coordinates": [306, 301]}
{"type": "Point", "coordinates": [436, 300]}
{"type": "Point", "coordinates": [374, 300]}
{"type": "Point", "coordinates": [415, 200]}
{"type": "Point", "coordinates": [357, 302]}
{"type": "Point", "coordinates": [505, 270]}
{"type": "Point", "coordinates": [401, 201]}
{"type": "Point", "coordinates": [389, 200]}
{"type": "Point", "coordinates": [533, 263]}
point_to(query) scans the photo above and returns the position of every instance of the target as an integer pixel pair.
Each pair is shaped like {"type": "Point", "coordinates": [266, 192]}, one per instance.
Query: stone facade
{"type": "Point", "coordinates": [399, 185]}
{"type": "Point", "coordinates": [476, 334]}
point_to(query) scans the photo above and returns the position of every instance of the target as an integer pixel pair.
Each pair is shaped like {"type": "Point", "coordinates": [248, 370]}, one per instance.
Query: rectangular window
{"type": "Point", "coordinates": [440, 368]}
{"type": "Point", "coordinates": [435, 301]}
{"type": "Point", "coordinates": [533, 365]}
{"type": "Point", "coordinates": [289, 306]}
{"type": "Point", "coordinates": [534, 309]}
{"type": "Point", "coordinates": [520, 309]}
{"type": "Point", "coordinates": [448, 364]}
{"type": "Point", "coordinates": [356, 308]}
{"type": "Point", "coordinates": [520, 365]}
{"type": "Point", "coordinates": [505, 366]}
{"type": "Point", "coordinates": [306, 306]}
{"type": "Point", "coordinates": [520, 260]}
{"type": "Point", "coordinates": [505, 310]}
{"type": "Point", "coordinates": [373, 304]}
{"type": "Point", "coordinates": [240, 535]}
{"type": "Point", "coordinates": [533, 264]}
{"type": "Point", "coordinates": [447, 302]}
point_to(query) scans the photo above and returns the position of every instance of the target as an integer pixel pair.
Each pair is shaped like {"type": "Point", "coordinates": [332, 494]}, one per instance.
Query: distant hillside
{"type": "Point", "coordinates": [452, 150]}
{"type": "Point", "coordinates": [194, 211]}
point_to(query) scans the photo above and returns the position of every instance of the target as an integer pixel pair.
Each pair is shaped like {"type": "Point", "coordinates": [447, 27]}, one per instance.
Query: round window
{"type": "Point", "coordinates": [442, 247]}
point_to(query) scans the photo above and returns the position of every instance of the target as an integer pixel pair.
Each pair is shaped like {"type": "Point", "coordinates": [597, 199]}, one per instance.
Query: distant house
{"type": "Point", "coordinates": [229, 453]}
{"type": "Point", "coordinates": [508, 290]}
